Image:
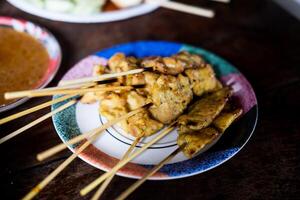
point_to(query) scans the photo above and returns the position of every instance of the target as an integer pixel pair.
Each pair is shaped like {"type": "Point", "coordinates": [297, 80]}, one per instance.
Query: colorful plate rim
{"type": "Point", "coordinates": [49, 42]}
{"type": "Point", "coordinates": [97, 18]}
{"type": "Point", "coordinates": [228, 146]}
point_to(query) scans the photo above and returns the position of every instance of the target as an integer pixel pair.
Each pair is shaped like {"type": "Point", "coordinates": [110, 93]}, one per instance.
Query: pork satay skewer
{"type": "Point", "coordinates": [221, 123]}
{"type": "Point", "coordinates": [102, 188]}
{"type": "Point", "coordinates": [40, 93]}
{"type": "Point", "coordinates": [35, 122]}
{"type": "Point", "coordinates": [207, 109]}
{"type": "Point", "coordinates": [63, 165]}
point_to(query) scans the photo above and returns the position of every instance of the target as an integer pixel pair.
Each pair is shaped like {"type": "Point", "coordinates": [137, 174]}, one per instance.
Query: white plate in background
{"type": "Point", "coordinates": [93, 18]}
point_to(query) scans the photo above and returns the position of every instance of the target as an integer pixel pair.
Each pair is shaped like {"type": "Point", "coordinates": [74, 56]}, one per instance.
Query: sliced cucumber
{"type": "Point", "coordinates": [84, 7]}
{"type": "Point", "coordinates": [63, 6]}
{"type": "Point", "coordinates": [78, 7]}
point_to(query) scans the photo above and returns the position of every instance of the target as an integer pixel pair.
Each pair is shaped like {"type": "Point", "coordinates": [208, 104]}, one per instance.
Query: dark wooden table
{"type": "Point", "coordinates": [257, 36]}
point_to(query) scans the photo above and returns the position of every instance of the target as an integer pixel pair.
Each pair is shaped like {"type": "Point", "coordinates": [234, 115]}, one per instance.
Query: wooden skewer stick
{"type": "Point", "coordinates": [44, 105]}
{"type": "Point", "coordinates": [138, 183]}
{"type": "Point", "coordinates": [102, 188]}
{"type": "Point", "coordinates": [61, 167]}
{"type": "Point", "coordinates": [37, 93]}
{"type": "Point", "coordinates": [51, 176]}
{"type": "Point", "coordinates": [36, 108]}
{"type": "Point", "coordinates": [183, 8]}
{"type": "Point", "coordinates": [35, 122]}
{"type": "Point", "coordinates": [46, 154]}
{"type": "Point", "coordinates": [99, 180]}
{"type": "Point", "coordinates": [82, 85]}
{"type": "Point", "coordinates": [100, 77]}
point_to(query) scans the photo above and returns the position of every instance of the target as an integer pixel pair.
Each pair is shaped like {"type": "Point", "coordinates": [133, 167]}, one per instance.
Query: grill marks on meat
{"type": "Point", "coordinates": [175, 64]}
{"type": "Point", "coordinates": [170, 96]}
{"type": "Point", "coordinates": [165, 65]}
{"type": "Point", "coordinates": [196, 140]}
{"type": "Point", "coordinates": [116, 105]}
{"type": "Point", "coordinates": [226, 118]}
{"type": "Point", "coordinates": [203, 112]}
{"type": "Point", "coordinates": [113, 106]}
{"type": "Point", "coordinates": [120, 63]}
{"type": "Point", "coordinates": [203, 80]}
{"type": "Point", "coordinates": [141, 124]}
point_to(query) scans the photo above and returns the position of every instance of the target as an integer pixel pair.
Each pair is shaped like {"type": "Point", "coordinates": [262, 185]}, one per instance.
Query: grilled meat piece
{"type": "Point", "coordinates": [175, 64]}
{"type": "Point", "coordinates": [226, 118]}
{"type": "Point", "coordinates": [135, 100]}
{"type": "Point", "coordinates": [195, 141]}
{"type": "Point", "coordinates": [120, 63]}
{"type": "Point", "coordinates": [170, 96]}
{"type": "Point", "coordinates": [190, 60]}
{"type": "Point", "coordinates": [164, 65]}
{"type": "Point", "coordinates": [204, 111]}
{"type": "Point", "coordinates": [93, 97]}
{"type": "Point", "coordinates": [115, 105]}
{"type": "Point", "coordinates": [142, 124]}
{"type": "Point", "coordinates": [135, 79]}
{"type": "Point", "coordinates": [99, 70]}
{"type": "Point", "coordinates": [203, 80]}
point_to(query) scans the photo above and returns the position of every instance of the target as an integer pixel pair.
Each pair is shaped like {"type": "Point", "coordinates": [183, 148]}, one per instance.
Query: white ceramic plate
{"type": "Point", "coordinates": [95, 18]}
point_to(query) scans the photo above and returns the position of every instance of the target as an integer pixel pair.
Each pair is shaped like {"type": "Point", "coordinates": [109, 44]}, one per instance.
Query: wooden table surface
{"type": "Point", "coordinates": [257, 36]}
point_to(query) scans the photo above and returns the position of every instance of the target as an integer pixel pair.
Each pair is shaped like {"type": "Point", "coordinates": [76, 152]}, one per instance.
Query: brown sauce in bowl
{"type": "Point", "coordinates": [23, 62]}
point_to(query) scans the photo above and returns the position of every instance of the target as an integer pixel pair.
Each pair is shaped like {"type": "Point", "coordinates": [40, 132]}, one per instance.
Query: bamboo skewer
{"type": "Point", "coordinates": [183, 8]}
{"type": "Point", "coordinates": [62, 166]}
{"type": "Point", "coordinates": [36, 93]}
{"type": "Point", "coordinates": [45, 154]}
{"type": "Point", "coordinates": [46, 104]}
{"type": "Point", "coordinates": [102, 188]}
{"type": "Point", "coordinates": [138, 183]}
{"type": "Point", "coordinates": [58, 148]}
{"type": "Point", "coordinates": [19, 94]}
{"type": "Point", "coordinates": [82, 85]}
{"type": "Point", "coordinates": [99, 180]}
{"type": "Point", "coordinates": [100, 78]}
{"type": "Point", "coordinates": [53, 174]}
{"type": "Point", "coordinates": [35, 122]}
{"type": "Point", "coordinates": [33, 109]}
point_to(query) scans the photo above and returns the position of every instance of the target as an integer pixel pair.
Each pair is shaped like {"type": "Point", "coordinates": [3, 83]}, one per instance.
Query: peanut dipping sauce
{"type": "Point", "coordinates": [23, 62]}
